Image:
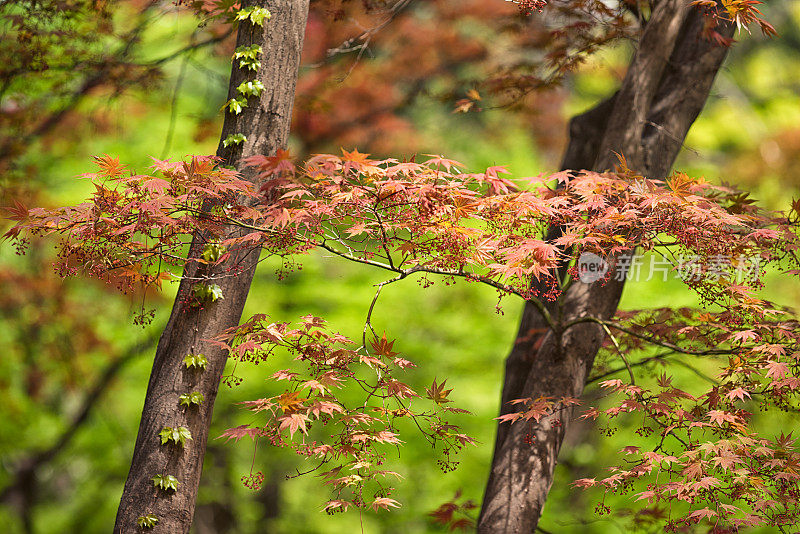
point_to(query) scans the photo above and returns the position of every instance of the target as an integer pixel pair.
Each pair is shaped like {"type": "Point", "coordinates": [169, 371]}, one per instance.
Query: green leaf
{"type": "Point", "coordinates": [233, 139]}
{"type": "Point", "coordinates": [207, 292]}
{"type": "Point", "coordinates": [197, 361]}
{"type": "Point", "coordinates": [249, 52]}
{"type": "Point", "coordinates": [213, 251]}
{"type": "Point", "coordinates": [250, 64]}
{"type": "Point", "coordinates": [214, 292]}
{"type": "Point", "coordinates": [250, 88]}
{"type": "Point", "coordinates": [195, 397]}
{"type": "Point", "coordinates": [248, 57]}
{"type": "Point", "coordinates": [177, 435]}
{"type": "Point", "coordinates": [257, 15]}
{"type": "Point", "coordinates": [243, 14]}
{"type": "Point", "coordinates": [147, 521]}
{"type": "Point", "coordinates": [235, 105]}
{"type": "Point", "coordinates": [166, 482]}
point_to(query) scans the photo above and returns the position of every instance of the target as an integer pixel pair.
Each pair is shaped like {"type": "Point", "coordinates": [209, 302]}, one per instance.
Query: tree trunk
{"type": "Point", "coordinates": [265, 123]}
{"type": "Point", "coordinates": [664, 90]}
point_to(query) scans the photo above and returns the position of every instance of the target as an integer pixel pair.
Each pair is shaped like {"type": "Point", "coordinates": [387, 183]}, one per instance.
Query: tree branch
{"type": "Point", "coordinates": [26, 473]}
{"type": "Point", "coordinates": [649, 339]}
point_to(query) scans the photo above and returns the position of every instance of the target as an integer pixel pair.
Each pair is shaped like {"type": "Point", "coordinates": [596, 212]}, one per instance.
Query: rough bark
{"type": "Point", "coordinates": [664, 90]}
{"type": "Point", "coordinates": [265, 123]}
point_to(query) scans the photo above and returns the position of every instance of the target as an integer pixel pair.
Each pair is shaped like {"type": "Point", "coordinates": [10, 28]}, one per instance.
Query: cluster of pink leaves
{"type": "Point", "coordinates": [320, 418]}
{"type": "Point", "coordinates": [428, 217]}
{"type": "Point", "coordinates": [703, 448]}
{"type": "Point", "coordinates": [403, 217]}
{"type": "Point", "coordinates": [134, 227]}
{"type": "Point", "coordinates": [431, 219]}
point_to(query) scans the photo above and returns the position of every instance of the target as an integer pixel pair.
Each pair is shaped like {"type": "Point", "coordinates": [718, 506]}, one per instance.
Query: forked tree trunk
{"type": "Point", "coordinates": [265, 123]}
{"type": "Point", "coordinates": [665, 88]}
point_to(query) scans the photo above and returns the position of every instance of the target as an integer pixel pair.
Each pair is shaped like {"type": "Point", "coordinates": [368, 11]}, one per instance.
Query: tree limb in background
{"type": "Point", "coordinates": [22, 492]}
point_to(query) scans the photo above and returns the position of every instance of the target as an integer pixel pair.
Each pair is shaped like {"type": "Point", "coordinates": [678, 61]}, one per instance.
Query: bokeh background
{"type": "Point", "coordinates": [135, 80]}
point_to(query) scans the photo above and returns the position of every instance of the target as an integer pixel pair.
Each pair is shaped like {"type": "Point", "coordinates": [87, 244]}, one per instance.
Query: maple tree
{"type": "Point", "coordinates": [432, 218]}
{"type": "Point", "coordinates": [421, 219]}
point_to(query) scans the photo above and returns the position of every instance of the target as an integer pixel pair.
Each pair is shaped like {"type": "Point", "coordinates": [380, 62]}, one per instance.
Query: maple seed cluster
{"type": "Point", "coordinates": [526, 7]}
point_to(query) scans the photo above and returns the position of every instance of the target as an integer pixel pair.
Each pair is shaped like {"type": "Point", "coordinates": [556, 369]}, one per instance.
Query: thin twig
{"type": "Point", "coordinates": [649, 339]}
{"type": "Point", "coordinates": [361, 41]}
{"type": "Point", "coordinates": [173, 114]}
{"type": "Point", "coordinates": [658, 357]}
{"type": "Point", "coordinates": [621, 355]}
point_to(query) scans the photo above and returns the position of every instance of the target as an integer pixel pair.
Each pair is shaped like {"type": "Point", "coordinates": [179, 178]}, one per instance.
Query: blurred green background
{"type": "Point", "coordinates": [63, 341]}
